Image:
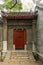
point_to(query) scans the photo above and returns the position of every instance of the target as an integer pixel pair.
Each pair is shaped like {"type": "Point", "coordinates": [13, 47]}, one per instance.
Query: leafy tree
{"type": "Point", "coordinates": [11, 5]}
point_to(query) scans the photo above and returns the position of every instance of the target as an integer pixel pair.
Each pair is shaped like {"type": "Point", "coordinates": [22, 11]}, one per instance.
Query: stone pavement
{"type": "Point", "coordinates": [19, 58]}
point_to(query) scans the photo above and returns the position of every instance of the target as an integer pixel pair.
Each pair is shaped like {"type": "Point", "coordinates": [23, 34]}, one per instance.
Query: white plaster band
{"type": "Point", "coordinates": [5, 45]}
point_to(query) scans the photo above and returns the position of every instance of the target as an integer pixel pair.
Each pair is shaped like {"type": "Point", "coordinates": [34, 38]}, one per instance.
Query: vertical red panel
{"type": "Point", "coordinates": [19, 38]}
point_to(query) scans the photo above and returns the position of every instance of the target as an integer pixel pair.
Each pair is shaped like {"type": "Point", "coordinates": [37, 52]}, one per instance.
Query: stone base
{"type": "Point", "coordinates": [25, 47]}
{"type": "Point", "coordinates": [14, 47]}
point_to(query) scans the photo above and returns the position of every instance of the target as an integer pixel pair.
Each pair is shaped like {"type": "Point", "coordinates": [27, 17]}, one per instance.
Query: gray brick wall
{"type": "Point", "coordinates": [1, 36]}
{"type": "Point", "coordinates": [10, 39]}
{"type": "Point", "coordinates": [29, 38]}
{"type": "Point", "coordinates": [40, 31]}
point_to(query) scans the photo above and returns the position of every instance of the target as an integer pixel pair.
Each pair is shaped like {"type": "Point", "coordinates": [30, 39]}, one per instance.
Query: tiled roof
{"type": "Point", "coordinates": [19, 15]}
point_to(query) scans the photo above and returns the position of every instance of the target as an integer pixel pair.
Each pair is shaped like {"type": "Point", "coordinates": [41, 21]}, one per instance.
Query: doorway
{"type": "Point", "coordinates": [19, 39]}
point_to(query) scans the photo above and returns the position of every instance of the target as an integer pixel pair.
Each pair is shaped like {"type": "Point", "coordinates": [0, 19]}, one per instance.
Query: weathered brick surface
{"type": "Point", "coordinates": [40, 31]}
{"type": "Point", "coordinates": [1, 36]}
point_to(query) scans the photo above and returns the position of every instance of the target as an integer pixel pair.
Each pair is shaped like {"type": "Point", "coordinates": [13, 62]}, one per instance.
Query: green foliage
{"type": "Point", "coordinates": [17, 7]}
{"type": "Point", "coordinates": [1, 6]}
{"type": "Point", "coordinates": [9, 3]}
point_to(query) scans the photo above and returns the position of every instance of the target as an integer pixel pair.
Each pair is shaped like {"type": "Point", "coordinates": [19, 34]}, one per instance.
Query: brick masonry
{"type": "Point", "coordinates": [40, 31]}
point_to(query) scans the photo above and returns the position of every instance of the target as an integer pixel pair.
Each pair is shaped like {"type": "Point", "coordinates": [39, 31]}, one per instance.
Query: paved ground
{"type": "Point", "coordinates": [19, 58]}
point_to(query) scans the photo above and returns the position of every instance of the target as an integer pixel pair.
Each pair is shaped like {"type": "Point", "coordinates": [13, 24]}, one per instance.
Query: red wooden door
{"type": "Point", "coordinates": [19, 39]}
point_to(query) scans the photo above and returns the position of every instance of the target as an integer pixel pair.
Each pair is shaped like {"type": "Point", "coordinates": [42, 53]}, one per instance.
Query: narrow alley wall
{"type": "Point", "coordinates": [40, 31]}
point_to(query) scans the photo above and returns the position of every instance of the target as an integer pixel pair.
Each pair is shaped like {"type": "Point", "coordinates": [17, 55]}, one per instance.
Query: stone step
{"type": "Point", "coordinates": [18, 57]}
{"type": "Point", "coordinates": [7, 55]}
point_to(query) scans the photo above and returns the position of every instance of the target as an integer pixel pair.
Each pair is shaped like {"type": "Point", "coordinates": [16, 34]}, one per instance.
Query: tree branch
{"type": "Point", "coordinates": [13, 4]}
